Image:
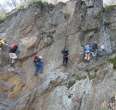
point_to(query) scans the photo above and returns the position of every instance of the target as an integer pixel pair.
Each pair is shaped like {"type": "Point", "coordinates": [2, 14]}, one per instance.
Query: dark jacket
{"type": "Point", "coordinates": [13, 49]}
{"type": "Point", "coordinates": [38, 62]}
{"type": "Point", "coordinates": [94, 46]}
{"type": "Point", "coordinates": [65, 52]}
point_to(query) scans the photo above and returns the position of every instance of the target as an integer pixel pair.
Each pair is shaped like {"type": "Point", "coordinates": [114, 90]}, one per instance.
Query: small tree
{"type": "Point", "coordinates": [2, 13]}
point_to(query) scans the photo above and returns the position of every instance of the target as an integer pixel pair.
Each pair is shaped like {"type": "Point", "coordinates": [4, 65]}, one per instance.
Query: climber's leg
{"type": "Point", "coordinates": [65, 60]}
{"type": "Point", "coordinates": [85, 57]}
{"type": "Point", "coordinates": [41, 68]}
{"type": "Point", "coordinates": [36, 70]}
{"type": "Point", "coordinates": [12, 62]}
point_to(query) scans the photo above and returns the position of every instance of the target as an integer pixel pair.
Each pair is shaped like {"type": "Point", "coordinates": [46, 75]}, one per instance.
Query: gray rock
{"type": "Point", "coordinates": [46, 32]}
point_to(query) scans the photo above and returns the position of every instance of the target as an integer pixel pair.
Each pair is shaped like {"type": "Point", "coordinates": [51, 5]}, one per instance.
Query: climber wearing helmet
{"type": "Point", "coordinates": [39, 64]}
{"type": "Point", "coordinates": [13, 53]}
{"type": "Point", "coordinates": [13, 48]}
{"type": "Point", "coordinates": [65, 53]}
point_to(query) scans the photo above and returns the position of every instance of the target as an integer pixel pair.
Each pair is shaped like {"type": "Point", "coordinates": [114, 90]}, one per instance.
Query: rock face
{"type": "Point", "coordinates": [45, 29]}
{"type": "Point", "coordinates": [110, 19]}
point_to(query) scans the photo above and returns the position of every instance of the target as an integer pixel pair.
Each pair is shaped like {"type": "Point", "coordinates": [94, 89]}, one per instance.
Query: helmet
{"type": "Point", "coordinates": [13, 45]}
{"type": "Point", "coordinates": [65, 49]}
{"type": "Point", "coordinates": [40, 57]}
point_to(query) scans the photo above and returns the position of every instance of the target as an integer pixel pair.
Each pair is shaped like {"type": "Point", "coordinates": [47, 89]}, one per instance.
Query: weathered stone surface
{"type": "Point", "coordinates": [79, 86]}
{"type": "Point", "coordinates": [111, 22]}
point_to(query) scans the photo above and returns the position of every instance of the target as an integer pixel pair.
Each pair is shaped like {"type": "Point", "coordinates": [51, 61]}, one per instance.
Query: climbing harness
{"type": "Point", "coordinates": [13, 58]}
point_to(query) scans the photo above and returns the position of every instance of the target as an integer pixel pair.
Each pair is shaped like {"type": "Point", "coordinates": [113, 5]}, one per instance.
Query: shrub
{"type": "Point", "coordinates": [2, 17]}
{"type": "Point", "coordinates": [38, 3]}
{"type": "Point", "coordinates": [113, 61]}
{"type": "Point", "coordinates": [109, 8]}
{"type": "Point", "coordinates": [21, 7]}
{"type": "Point", "coordinates": [70, 84]}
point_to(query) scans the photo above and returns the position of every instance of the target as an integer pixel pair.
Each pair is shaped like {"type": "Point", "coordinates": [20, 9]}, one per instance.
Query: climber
{"type": "Point", "coordinates": [65, 53]}
{"type": "Point", "coordinates": [94, 50]}
{"type": "Point", "coordinates": [13, 53]}
{"type": "Point", "coordinates": [87, 52]}
{"type": "Point", "coordinates": [13, 48]}
{"type": "Point", "coordinates": [39, 64]}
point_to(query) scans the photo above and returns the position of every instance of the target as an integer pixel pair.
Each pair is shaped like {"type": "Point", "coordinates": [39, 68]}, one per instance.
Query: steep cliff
{"type": "Point", "coordinates": [46, 29]}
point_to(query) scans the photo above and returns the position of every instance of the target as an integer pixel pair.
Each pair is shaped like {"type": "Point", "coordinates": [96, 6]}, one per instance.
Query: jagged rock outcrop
{"type": "Point", "coordinates": [45, 29]}
{"type": "Point", "coordinates": [110, 21]}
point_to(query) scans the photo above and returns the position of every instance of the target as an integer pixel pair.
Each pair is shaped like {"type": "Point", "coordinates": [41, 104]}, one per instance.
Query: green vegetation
{"type": "Point", "coordinates": [71, 83]}
{"type": "Point", "coordinates": [109, 8]}
{"type": "Point", "coordinates": [99, 14]}
{"type": "Point", "coordinates": [113, 61]}
{"type": "Point", "coordinates": [20, 7]}
{"type": "Point", "coordinates": [90, 30]}
{"type": "Point", "coordinates": [77, 77]}
{"type": "Point", "coordinates": [92, 76]}
{"type": "Point", "coordinates": [38, 3]}
{"type": "Point", "coordinates": [66, 16]}
{"type": "Point", "coordinates": [3, 16]}
{"type": "Point", "coordinates": [35, 3]}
